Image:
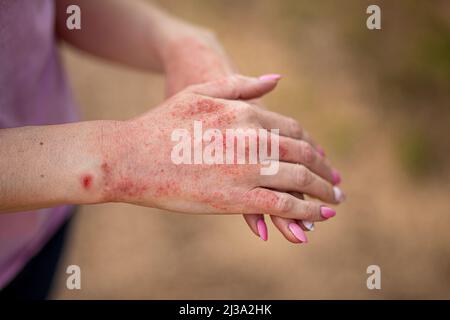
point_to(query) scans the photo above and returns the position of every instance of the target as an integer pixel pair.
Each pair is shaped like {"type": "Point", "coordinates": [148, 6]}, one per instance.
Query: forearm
{"type": "Point", "coordinates": [44, 166]}
{"type": "Point", "coordinates": [143, 36]}
{"type": "Point", "coordinates": [129, 32]}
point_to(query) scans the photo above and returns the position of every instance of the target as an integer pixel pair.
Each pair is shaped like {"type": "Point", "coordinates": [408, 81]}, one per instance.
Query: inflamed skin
{"type": "Point", "coordinates": [136, 165]}
{"type": "Point", "coordinates": [130, 161]}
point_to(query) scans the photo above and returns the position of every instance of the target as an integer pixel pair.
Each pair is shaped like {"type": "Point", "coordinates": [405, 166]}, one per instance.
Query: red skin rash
{"type": "Point", "coordinates": [222, 120]}
{"type": "Point", "coordinates": [269, 199]}
{"type": "Point", "coordinates": [106, 169]}
{"type": "Point", "coordinates": [122, 186]}
{"type": "Point", "coordinates": [199, 107]}
{"type": "Point", "coordinates": [283, 152]}
{"type": "Point", "coordinates": [166, 189]}
{"type": "Point", "coordinates": [126, 174]}
{"type": "Point", "coordinates": [86, 181]}
{"type": "Point", "coordinates": [126, 186]}
{"type": "Point", "coordinates": [205, 106]}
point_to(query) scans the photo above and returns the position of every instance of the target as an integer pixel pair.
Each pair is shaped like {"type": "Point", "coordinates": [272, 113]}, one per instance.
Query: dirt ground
{"type": "Point", "coordinates": [380, 112]}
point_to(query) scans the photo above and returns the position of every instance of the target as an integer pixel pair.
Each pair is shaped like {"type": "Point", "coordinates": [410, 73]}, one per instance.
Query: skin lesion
{"type": "Point", "coordinates": [125, 186]}
{"type": "Point", "coordinates": [262, 199]}
{"type": "Point", "coordinates": [120, 186]}
{"type": "Point", "coordinates": [205, 105]}
{"type": "Point", "coordinates": [86, 181]}
{"type": "Point", "coordinates": [283, 152]}
{"type": "Point", "coordinates": [201, 106]}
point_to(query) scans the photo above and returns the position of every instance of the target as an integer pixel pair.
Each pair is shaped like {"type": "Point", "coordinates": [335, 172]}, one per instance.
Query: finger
{"type": "Point", "coordinates": [284, 205]}
{"type": "Point", "coordinates": [305, 225]}
{"type": "Point", "coordinates": [237, 87]}
{"type": "Point", "coordinates": [288, 127]}
{"type": "Point", "coordinates": [290, 229]}
{"type": "Point", "coordinates": [257, 225]}
{"type": "Point", "coordinates": [299, 151]}
{"type": "Point", "coordinates": [297, 177]}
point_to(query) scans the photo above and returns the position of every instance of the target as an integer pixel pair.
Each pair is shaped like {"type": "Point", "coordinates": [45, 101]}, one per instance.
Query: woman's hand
{"type": "Point", "coordinates": [138, 166]}
{"type": "Point", "coordinates": [197, 57]}
{"type": "Point", "coordinates": [154, 41]}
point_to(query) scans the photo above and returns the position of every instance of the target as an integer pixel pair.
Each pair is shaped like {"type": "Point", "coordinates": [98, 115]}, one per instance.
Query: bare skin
{"type": "Point", "coordinates": [188, 55]}
{"type": "Point", "coordinates": [101, 161]}
{"type": "Point", "coordinates": [117, 162]}
{"type": "Point", "coordinates": [211, 63]}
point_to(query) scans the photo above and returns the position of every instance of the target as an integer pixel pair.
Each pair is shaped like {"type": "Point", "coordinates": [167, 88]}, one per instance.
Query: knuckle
{"type": "Point", "coordinates": [191, 89]}
{"type": "Point", "coordinates": [224, 81]}
{"type": "Point", "coordinates": [303, 176]}
{"type": "Point", "coordinates": [257, 198]}
{"type": "Point", "coordinates": [310, 212]}
{"type": "Point", "coordinates": [268, 201]}
{"type": "Point", "coordinates": [246, 110]}
{"type": "Point", "coordinates": [233, 82]}
{"type": "Point", "coordinates": [307, 152]}
{"type": "Point", "coordinates": [283, 204]}
{"type": "Point", "coordinates": [309, 216]}
{"type": "Point", "coordinates": [185, 98]}
{"type": "Point", "coordinates": [295, 129]}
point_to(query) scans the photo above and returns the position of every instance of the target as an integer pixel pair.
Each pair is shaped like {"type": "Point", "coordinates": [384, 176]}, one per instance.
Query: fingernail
{"type": "Point", "coordinates": [336, 177]}
{"type": "Point", "coordinates": [298, 232]}
{"type": "Point", "coordinates": [321, 151]}
{"type": "Point", "coordinates": [338, 194]}
{"type": "Point", "coordinates": [327, 213]}
{"type": "Point", "coordinates": [262, 229]}
{"type": "Point", "coordinates": [270, 77]}
{"type": "Point", "coordinates": [308, 225]}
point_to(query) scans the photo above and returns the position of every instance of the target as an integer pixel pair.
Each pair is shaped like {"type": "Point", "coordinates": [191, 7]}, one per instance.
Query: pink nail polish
{"type": "Point", "coordinates": [270, 77]}
{"type": "Point", "coordinates": [298, 232]}
{"type": "Point", "coordinates": [262, 229]}
{"type": "Point", "coordinates": [336, 177]}
{"type": "Point", "coordinates": [327, 213]}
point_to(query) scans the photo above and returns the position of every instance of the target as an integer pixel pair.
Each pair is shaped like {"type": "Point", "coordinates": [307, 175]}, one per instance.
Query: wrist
{"type": "Point", "coordinates": [194, 57]}
{"type": "Point", "coordinates": [113, 144]}
{"type": "Point", "coordinates": [125, 160]}
{"type": "Point", "coordinates": [96, 149]}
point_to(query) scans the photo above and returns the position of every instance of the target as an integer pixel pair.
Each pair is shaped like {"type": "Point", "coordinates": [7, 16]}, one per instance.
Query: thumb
{"type": "Point", "coordinates": [238, 87]}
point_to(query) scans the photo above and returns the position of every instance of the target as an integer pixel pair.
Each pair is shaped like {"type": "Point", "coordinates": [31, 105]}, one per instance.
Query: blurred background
{"type": "Point", "coordinates": [379, 103]}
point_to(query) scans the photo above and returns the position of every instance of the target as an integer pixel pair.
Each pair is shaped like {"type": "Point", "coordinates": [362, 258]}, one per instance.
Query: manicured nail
{"type": "Point", "coordinates": [338, 194]}
{"type": "Point", "coordinates": [270, 77]}
{"type": "Point", "coordinates": [262, 229]}
{"type": "Point", "coordinates": [327, 213]}
{"type": "Point", "coordinates": [308, 225]}
{"type": "Point", "coordinates": [336, 177]}
{"type": "Point", "coordinates": [298, 232]}
{"type": "Point", "coordinates": [321, 151]}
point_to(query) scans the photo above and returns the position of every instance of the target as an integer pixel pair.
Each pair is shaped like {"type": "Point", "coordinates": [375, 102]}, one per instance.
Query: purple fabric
{"type": "Point", "coordinates": [33, 91]}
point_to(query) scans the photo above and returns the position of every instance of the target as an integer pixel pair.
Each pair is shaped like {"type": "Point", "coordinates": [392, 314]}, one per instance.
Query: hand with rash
{"type": "Point", "coordinates": [137, 166]}
{"type": "Point", "coordinates": [129, 161]}
{"type": "Point", "coordinates": [210, 63]}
